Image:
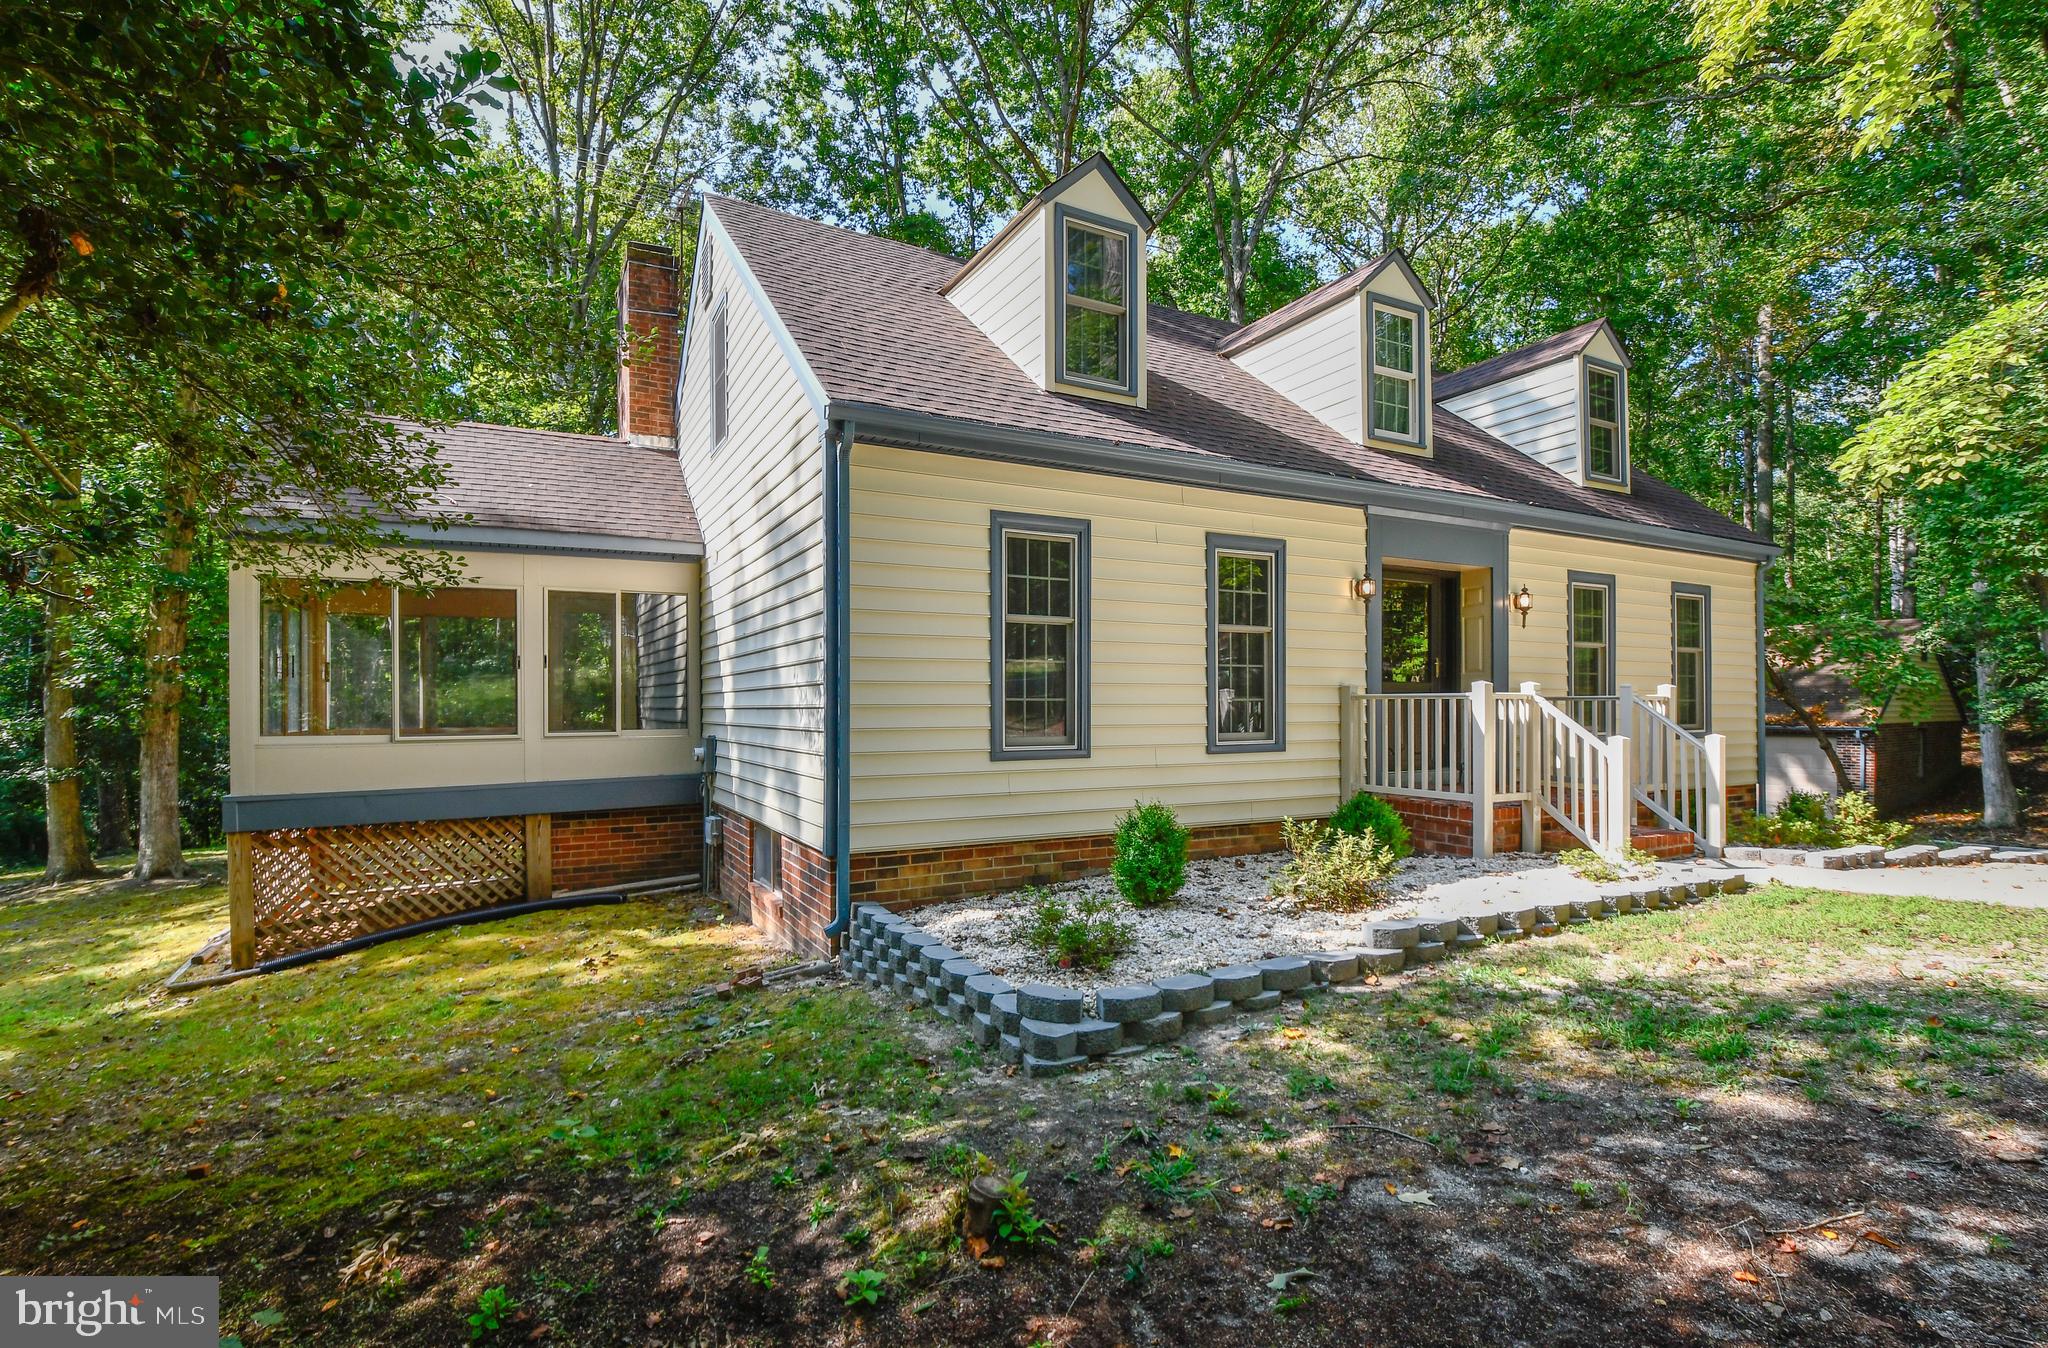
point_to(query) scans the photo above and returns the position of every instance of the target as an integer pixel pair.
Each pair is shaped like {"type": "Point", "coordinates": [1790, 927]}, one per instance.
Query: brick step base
{"type": "Point", "coordinates": [1665, 844]}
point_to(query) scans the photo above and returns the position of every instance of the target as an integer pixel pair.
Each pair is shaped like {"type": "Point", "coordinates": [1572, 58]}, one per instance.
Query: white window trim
{"type": "Point", "coordinates": [1620, 477]}
{"type": "Point", "coordinates": [1066, 219]}
{"type": "Point", "coordinates": [1375, 306]}
{"type": "Point", "coordinates": [618, 666]}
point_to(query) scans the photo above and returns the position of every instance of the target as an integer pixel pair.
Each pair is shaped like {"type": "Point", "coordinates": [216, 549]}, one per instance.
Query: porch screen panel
{"type": "Point", "coordinates": [458, 654]}
{"type": "Point", "coordinates": [654, 648]}
{"type": "Point", "coordinates": [326, 659]}
{"type": "Point", "coordinates": [582, 673]}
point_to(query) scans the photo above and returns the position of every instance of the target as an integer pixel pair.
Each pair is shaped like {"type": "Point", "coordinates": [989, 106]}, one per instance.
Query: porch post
{"type": "Point", "coordinates": [1479, 769]}
{"type": "Point", "coordinates": [1714, 810]}
{"type": "Point", "coordinates": [241, 901]}
{"type": "Point", "coordinates": [1618, 796]}
{"type": "Point", "coordinates": [1535, 775]}
{"type": "Point", "coordinates": [1350, 742]}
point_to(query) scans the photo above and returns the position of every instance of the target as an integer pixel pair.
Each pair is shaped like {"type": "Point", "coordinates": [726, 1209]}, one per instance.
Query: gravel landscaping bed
{"type": "Point", "coordinates": [1226, 914]}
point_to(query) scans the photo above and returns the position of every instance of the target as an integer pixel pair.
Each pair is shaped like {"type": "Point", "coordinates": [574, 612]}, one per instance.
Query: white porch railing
{"type": "Point", "coordinates": [1584, 762]}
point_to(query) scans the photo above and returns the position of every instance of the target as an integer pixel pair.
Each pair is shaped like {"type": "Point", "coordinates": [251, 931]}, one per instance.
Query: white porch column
{"type": "Point", "coordinates": [1714, 809]}
{"type": "Point", "coordinates": [1535, 775]}
{"type": "Point", "coordinates": [1617, 795]}
{"type": "Point", "coordinates": [1479, 768]}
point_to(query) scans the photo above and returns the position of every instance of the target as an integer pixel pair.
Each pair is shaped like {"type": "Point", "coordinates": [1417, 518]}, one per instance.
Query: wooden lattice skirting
{"type": "Point", "coordinates": [300, 889]}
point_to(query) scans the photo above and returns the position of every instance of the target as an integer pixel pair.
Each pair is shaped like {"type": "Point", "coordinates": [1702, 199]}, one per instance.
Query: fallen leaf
{"type": "Point", "coordinates": [1744, 1275]}
{"type": "Point", "coordinates": [1174, 1151]}
{"type": "Point", "coordinates": [977, 1246]}
{"type": "Point", "coordinates": [1392, 1188]}
{"type": "Point", "coordinates": [1280, 1282]}
{"type": "Point", "coordinates": [1885, 1241]}
{"type": "Point", "coordinates": [1181, 1214]}
{"type": "Point", "coordinates": [1421, 1198]}
{"type": "Point", "coordinates": [993, 1262]}
{"type": "Point", "coordinates": [1829, 1233]}
{"type": "Point", "coordinates": [1493, 1128]}
{"type": "Point", "coordinates": [1294, 1032]}
{"type": "Point", "coordinates": [1509, 1163]}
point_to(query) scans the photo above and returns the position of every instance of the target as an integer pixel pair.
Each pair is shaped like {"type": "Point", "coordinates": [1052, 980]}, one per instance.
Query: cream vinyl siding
{"type": "Point", "coordinates": [1315, 365]}
{"type": "Point", "coordinates": [1006, 296]}
{"type": "Point", "coordinates": [291, 764]}
{"type": "Point", "coordinates": [760, 503]}
{"type": "Point", "coordinates": [922, 775]}
{"type": "Point", "coordinates": [1642, 624]}
{"type": "Point", "coordinates": [1926, 703]}
{"type": "Point", "coordinates": [1537, 412]}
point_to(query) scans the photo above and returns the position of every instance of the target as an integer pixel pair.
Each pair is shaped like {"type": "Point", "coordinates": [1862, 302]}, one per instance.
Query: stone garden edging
{"type": "Point", "coordinates": [1050, 1030]}
{"type": "Point", "coordinates": [1857, 858]}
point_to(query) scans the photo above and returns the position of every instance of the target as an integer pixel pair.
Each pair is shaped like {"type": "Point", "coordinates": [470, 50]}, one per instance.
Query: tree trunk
{"type": "Point", "coordinates": [1813, 728]}
{"type": "Point", "coordinates": [69, 853]}
{"type": "Point", "coordinates": [2001, 804]}
{"type": "Point", "coordinates": [159, 852]}
{"type": "Point", "coordinates": [1791, 497]}
{"type": "Point", "coordinates": [1766, 421]}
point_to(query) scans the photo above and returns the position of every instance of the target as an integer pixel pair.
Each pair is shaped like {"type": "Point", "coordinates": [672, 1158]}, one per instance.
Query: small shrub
{"type": "Point", "coordinates": [1086, 934]}
{"type": "Point", "coordinates": [759, 1272]}
{"type": "Point", "coordinates": [1151, 861]}
{"type": "Point", "coordinates": [1600, 870]}
{"type": "Point", "coordinates": [1017, 1219]}
{"type": "Point", "coordinates": [863, 1287]}
{"type": "Point", "coordinates": [1367, 813]}
{"type": "Point", "coordinates": [494, 1307]}
{"type": "Point", "coordinates": [1802, 819]}
{"type": "Point", "coordinates": [1341, 871]}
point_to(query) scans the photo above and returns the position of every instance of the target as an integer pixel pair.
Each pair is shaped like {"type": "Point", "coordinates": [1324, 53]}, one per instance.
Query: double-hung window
{"type": "Point", "coordinates": [1247, 588]}
{"type": "Point", "coordinates": [1095, 303]}
{"type": "Point", "coordinates": [1396, 378]}
{"type": "Point", "coordinates": [1592, 637]}
{"type": "Point", "coordinates": [1689, 656]}
{"type": "Point", "coordinates": [1606, 439]}
{"type": "Point", "coordinates": [1040, 636]}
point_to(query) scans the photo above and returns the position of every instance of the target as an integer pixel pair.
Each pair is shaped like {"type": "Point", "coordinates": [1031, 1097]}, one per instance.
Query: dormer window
{"type": "Point", "coordinates": [1393, 374]}
{"type": "Point", "coordinates": [1606, 429]}
{"type": "Point", "coordinates": [1095, 302]}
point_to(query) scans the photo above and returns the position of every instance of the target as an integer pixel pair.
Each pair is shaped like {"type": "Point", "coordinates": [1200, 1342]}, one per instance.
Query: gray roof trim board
{"type": "Point", "coordinates": [1047, 193]}
{"type": "Point", "coordinates": [333, 809]}
{"type": "Point", "coordinates": [467, 538]}
{"type": "Point", "coordinates": [1550, 350]}
{"type": "Point", "coordinates": [1313, 303]}
{"type": "Point", "coordinates": [912, 430]}
{"type": "Point", "coordinates": [891, 352]}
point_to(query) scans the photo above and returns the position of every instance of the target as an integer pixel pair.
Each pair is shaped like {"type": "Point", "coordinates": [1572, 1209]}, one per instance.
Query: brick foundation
{"type": "Point", "coordinates": [1444, 827]}
{"type": "Point", "coordinates": [622, 847]}
{"type": "Point", "coordinates": [911, 877]}
{"type": "Point", "coordinates": [793, 912]}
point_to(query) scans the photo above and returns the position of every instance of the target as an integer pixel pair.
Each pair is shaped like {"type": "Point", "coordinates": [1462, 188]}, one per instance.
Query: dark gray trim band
{"type": "Point", "coordinates": [329, 809]}
{"type": "Point", "coordinates": [457, 537]}
{"type": "Point", "coordinates": [1606, 582]}
{"type": "Point", "coordinates": [1763, 684]}
{"type": "Point", "coordinates": [838, 676]}
{"type": "Point", "coordinates": [1435, 543]}
{"type": "Point", "coordinates": [1276, 712]}
{"type": "Point", "coordinates": [949, 435]}
{"type": "Point", "coordinates": [1000, 521]}
{"type": "Point", "coordinates": [1705, 594]}
{"type": "Point", "coordinates": [1127, 337]}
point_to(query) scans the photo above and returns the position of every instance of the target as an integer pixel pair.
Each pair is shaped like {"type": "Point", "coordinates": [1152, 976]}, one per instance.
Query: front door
{"type": "Point", "coordinates": [1418, 632]}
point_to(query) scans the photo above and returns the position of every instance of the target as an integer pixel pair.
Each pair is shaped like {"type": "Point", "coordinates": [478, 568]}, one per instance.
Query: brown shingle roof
{"type": "Point", "coordinates": [867, 315]}
{"type": "Point", "coordinates": [556, 482]}
{"type": "Point", "coordinates": [1522, 359]}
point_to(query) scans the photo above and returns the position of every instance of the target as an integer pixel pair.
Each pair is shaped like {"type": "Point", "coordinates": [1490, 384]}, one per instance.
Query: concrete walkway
{"type": "Point", "coordinates": [2019, 886]}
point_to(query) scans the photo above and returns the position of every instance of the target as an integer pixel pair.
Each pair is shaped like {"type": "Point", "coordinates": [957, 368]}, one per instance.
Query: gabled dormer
{"type": "Point", "coordinates": [1061, 288]}
{"type": "Point", "coordinates": [1355, 353]}
{"type": "Point", "coordinates": [1563, 401]}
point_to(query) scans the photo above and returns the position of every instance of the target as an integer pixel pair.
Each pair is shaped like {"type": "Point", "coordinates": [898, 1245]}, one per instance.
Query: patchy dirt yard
{"type": "Point", "coordinates": [1786, 1117]}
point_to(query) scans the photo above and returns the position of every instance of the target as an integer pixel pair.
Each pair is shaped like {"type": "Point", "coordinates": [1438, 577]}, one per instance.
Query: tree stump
{"type": "Point", "coordinates": [978, 1213]}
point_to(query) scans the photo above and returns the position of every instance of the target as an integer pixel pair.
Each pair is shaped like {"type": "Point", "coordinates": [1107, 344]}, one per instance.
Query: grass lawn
{"type": "Point", "coordinates": [1786, 1115]}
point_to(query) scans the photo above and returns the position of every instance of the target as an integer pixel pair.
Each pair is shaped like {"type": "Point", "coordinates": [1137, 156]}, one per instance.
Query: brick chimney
{"type": "Point", "coordinates": [650, 345]}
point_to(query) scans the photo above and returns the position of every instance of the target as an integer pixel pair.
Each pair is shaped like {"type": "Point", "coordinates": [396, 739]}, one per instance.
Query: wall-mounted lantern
{"type": "Point", "coordinates": [1364, 587]}
{"type": "Point", "coordinates": [1524, 603]}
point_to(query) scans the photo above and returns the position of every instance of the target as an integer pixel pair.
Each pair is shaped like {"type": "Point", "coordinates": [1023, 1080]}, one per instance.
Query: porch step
{"type": "Point", "coordinates": [1665, 844]}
